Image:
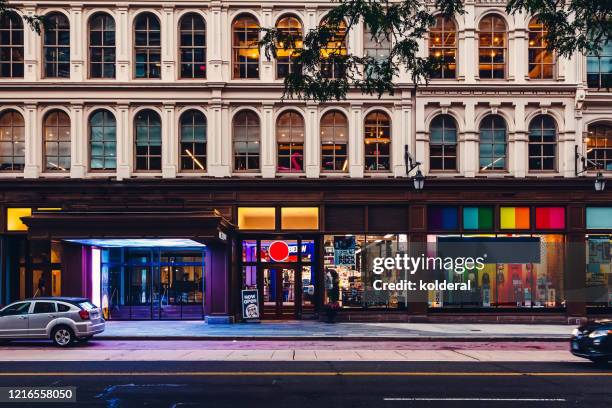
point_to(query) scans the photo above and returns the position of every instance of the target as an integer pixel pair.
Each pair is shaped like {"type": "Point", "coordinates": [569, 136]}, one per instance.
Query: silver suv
{"type": "Point", "coordinates": [62, 319]}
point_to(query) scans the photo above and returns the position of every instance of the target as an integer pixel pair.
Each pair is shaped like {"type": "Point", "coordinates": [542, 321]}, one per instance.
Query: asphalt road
{"type": "Point", "coordinates": [319, 384]}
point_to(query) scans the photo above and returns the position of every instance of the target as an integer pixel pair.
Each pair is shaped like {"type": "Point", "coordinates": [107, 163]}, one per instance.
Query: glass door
{"type": "Point", "coordinates": [279, 292]}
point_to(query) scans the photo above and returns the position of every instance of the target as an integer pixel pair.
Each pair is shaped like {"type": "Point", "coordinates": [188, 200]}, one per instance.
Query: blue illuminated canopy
{"type": "Point", "coordinates": [139, 242]}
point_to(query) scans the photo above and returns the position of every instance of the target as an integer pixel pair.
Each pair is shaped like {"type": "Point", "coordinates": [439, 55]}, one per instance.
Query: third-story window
{"type": "Point", "coordinates": [377, 141]}
{"type": "Point", "coordinates": [333, 54]}
{"type": "Point", "coordinates": [290, 142]}
{"type": "Point", "coordinates": [11, 46]}
{"type": "Point", "coordinates": [541, 61]}
{"type": "Point", "coordinates": [56, 48]}
{"type": "Point", "coordinates": [290, 27]}
{"type": "Point", "coordinates": [247, 136]}
{"type": "Point", "coordinates": [334, 142]}
{"type": "Point", "coordinates": [542, 143]}
{"type": "Point", "coordinates": [599, 66]}
{"type": "Point", "coordinates": [56, 133]}
{"type": "Point", "coordinates": [493, 143]}
{"type": "Point", "coordinates": [193, 46]}
{"type": "Point", "coordinates": [12, 141]}
{"type": "Point", "coordinates": [102, 141]}
{"type": "Point", "coordinates": [492, 47]}
{"type": "Point", "coordinates": [599, 146]}
{"type": "Point", "coordinates": [193, 141]}
{"type": "Point", "coordinates": [102, 46]}
{"type": "Point", "coordinates": [148, 140]}
{"type": "Point", "coordinates": [443, 143]}
{"type": "Point", "coordinates": [147, 46]}
{"type": "Point", "coordinates": [443, 47]}
{"type": "Point", "coordinates": [245, 45]}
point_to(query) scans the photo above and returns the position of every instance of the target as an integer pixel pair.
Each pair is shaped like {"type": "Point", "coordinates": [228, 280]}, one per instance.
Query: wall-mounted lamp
{"type": "Point", "coordinates": [418, 179]}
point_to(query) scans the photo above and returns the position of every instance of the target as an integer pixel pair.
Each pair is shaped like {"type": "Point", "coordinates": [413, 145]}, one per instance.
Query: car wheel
{"type": "Point", "coordinates": [62, 336]}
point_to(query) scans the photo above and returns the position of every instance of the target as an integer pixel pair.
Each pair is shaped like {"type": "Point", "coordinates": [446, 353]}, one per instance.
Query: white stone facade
{"type": "Point", "coordinates": [467, 98]}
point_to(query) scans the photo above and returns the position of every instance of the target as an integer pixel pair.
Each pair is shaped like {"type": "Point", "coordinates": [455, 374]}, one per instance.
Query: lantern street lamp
{"type": "Point", "coordinates": [600, 182]}
{"type": "Point", "coordinates": [418, 179]}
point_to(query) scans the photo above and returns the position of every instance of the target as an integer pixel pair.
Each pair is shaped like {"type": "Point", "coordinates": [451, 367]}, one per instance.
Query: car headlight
{"type": "Point", "coordinates": [575, 332]}
{"type": "Point", "coordinates": [599, 333]}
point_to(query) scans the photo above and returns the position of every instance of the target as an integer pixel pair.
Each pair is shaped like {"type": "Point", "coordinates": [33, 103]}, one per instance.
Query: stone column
{"type": "Point", "coordinates": [78, 141]}
{"type": "Point", "coordinates": [469, 142]}
{"type": "Point", "coordinates": [355, 141]}
{"type": "Point", "coordinates": [518, 143]}
{"type": "Point", "coordinates": [168, 44]}
{"type": "Point", "coordinates": [124, 143]}
{"type": "Point", "coordinates": [122, 39]}
{"type": "Point", "coordinates": [401, 136]}
{"type": "Point", "coordinates": [421, 142]}
{"type": "Point", "coordinates": [569, 138]}
{"type": "Point", "coordinates": [268, 142]}
{"type": "Point", "coordinates": [468, 47]}
{"type": "Point", "coordinates": [267, 73]}
{"type": "Point", "coordinates": [213, 51]}
{"type": "Point", "coordinates": [312, 141]}
{"type": "Point", "coordinates": [78, 37]}
{"type": "Point", "coordinates": [33, 142]}
{"type": "Point", "coordinates": [32, 50]}
{"type": "Point", "coordinates": [169, 142]}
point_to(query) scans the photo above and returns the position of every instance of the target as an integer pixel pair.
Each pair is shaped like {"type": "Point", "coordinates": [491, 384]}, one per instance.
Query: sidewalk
{"type": "Point", "coordinates": [310, 330]}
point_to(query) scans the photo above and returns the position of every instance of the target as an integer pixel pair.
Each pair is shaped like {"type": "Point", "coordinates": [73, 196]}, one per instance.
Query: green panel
{"type": "Point", "coordinates": [485, 218]}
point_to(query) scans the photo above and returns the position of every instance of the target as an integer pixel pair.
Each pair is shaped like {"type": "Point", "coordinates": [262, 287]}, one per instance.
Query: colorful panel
{"type": "Point", "coordinates": [514, 218]}
{"type": "Point", "coordinates": [550, 218]}
{"type": "Point", "coordinates": [478, 218]}
{"type": "Point", "coordinates": [599, 217]}
{"type": "Point", "coordinates": [443, 218]}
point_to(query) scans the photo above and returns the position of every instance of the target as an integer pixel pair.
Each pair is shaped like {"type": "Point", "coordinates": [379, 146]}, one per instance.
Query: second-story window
{"type": "Point", "coordinates": [443, 143]}
{"type": "Point", "coordinates": [443, 47]}
{"type": "Point", "coordinates": [599, 146]}
{"type": "Point", "coordinates": [193, 141]}
{"type": "Point", "coordinates": [102, 141]}
{"type": "Point", "coordinates": [245, 46]}
{"type": "Point", "coordinates": [102, 46]}
{"type": "Point", "coordinates": [332, 55]}
{"type": "Point", "coordinates": [11, 46]}
{"type": "Point", "coordinates": [492, 47]}
{"type": "Point", "coordinates": [56, 46]}
{"type": "Point", "coordinates": [542, 143]}
{"type": "Point", "coordinates": [290, 142]}
{"type": "Point", "coordinates": [599, 67]}
{"type": "Point", "coordinates": [493, 143]}
{"type": "Point", "coordinates": [56, 133]}
{"type": "Point", "coordinates": [147, 46]}
{"type": "Point", "coordinates": [12, 141]}
{"type": "Point", "coordinates": [193, 46]}
{"type": "Point", "coordinates": [377, 141]}
{"type": "Point", "coordinates": [247, 135]}
{"type": "Point", "coordinates": [334, 142]}
{"type": "Point", "coordinates": [291, 27]}
{"type": "Point", "coordinates": [148, 140]}
{"type": "Point", "coordinates": [541, 61]}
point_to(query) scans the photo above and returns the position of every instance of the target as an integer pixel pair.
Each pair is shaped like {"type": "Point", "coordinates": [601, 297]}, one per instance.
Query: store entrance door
{"type": "Point", "coordinates": [280, 289]}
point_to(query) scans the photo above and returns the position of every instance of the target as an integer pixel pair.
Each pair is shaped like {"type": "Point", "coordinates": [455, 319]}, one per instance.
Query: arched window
{"type": "Point", "coordinates": [599, 66]}
{"type": "Point", "coordinates": [542, 143]}
{"type": "Point", "coordinates": [334, 142]}
{"type": "Point", "coordinates": [247, 135]}
{"type": "Point", "coordinates": [492, 47]}
{"type": "Point", "coordinates": [599, 146]}
{"type": "Point", "coordinates": [147, 46]}
{"type": "Point", "coordinates": [332, 55]}
{"type": "Point", "coordinates": [541, 61]}
{"type": "Point", "coordinates": [56, 134]}
{"type": "Point", "coordinates": [291, 27]}
{"type": "Point", "coordinates": [11, 46]}
{"type": "Point", "coordinates": [102, 141]}
{"type": "Point", "coordinates": [493, 143]}
{"type": "Point", "coordinates": [193, 141]}
{"type": "Point", "coordinates": [377, 141]}
{"type": "Point", "coordinates": [290, 142]}
{"type": "Point", "coordinates": [443, 143]}
{"type": "Point", "coordinates": [101, 46]}
{"type": "Point", "coordinates": [193, 46]}
{"type": "Point", "coordinates": [443, 47]}
{"type": "Point", "coordinates": [56, 46]}
{"type": "Point", "coordinates": [12, 141]}
{"type": "Point", "coordinates": [245, 45]}
{"type": "Point", "coordinates": [148, 139]}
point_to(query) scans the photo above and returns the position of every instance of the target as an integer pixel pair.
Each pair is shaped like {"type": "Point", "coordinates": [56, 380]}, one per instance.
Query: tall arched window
{"type": "Point", "coordinates": [377, 141]}
{"type": "Point", "coordinates": [599, 66]}
{"type": "Point", "coordinates": [334, 142]}
{"type": "Point", "coordinates": [12, 141]}
{"type": "Point", "coordinates": [11, 46]}
{"type": "Point", "coordinates": [247, 137]}
{"type": "Point", "coordinates": [147, 46]}
{"type": "Point", "coordinates": [245, 45]}
{"type": "Point", "coordinates": [541, 61]}
{"type": "Point", "coordinates": [599, 146]}
{"type": "Point", "coordinates": [56, 135]}
{"type": "Point", "coordinates": [56, 46]}
{"type": "Point", "coordinates": [148, 140]}
{"type": "Point", "coordinates": [542, 143]}
{"type": "Point", "coordinates": [332, 55]}
{"type": "Point", "coordinates": [291, 27]}
{"type": "Point", "coordinates": [101, 46]}
{"type": "Point", "coordinates": [102, 141]}
{"type": "Point", "coordinates": [492, 47]}
{"type": "Point", "coordinates": [193, 141]}
{"type": "Point", "coordinates": [443, 143]}
{"type": "Point", "coordinates": [290, 142]}
{"type": "Point", "coordinates": [493, 143]}
{"type": "Point", "coordinates": [443, 46]}
{"type": "Point", "coordinates": [193, 46]}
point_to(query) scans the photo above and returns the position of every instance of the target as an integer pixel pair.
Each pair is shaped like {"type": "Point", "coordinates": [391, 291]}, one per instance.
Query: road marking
{"type": "Point", "coordinates": [480, 399]}
{"type": "Point", "coordinates": [305, 374]}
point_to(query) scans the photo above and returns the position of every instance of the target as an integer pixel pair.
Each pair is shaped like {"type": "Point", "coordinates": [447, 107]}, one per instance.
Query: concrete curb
{"type": "Point", "coordinates": [337, 338]}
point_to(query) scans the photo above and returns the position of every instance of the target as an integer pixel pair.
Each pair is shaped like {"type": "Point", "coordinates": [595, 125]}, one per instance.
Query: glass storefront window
{"type": "Point", "coordinates": [599, 270]}
{"type": "Point", "coordinates": [256, 218]}
{"type": "Point", "coordinates": [249, 277]}
{"type": "Point", "coordinates": [300, 218]}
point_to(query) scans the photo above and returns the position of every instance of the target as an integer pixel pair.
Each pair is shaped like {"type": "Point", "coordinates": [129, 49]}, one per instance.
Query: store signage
{"type": "Point", "coordinates": [278, 251]}
{"type": "Point", "coordinates": [250, 304]}
{"type": "Point", "coordinates": [222, 236]}
{"type": "Point", "coordinates": [344, 251]}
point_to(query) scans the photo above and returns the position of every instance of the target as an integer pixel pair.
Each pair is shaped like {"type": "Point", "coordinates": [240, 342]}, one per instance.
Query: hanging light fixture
{"type": "Point", "coordinates": [600, 182]}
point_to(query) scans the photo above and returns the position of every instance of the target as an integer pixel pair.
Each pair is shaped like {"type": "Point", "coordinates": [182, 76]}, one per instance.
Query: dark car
{"type": "Point", "coordinates": [593, 341]}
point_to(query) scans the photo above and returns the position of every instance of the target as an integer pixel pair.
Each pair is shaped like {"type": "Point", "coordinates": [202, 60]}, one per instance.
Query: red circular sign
{"type": "Point", "coordinates": [278, 251]}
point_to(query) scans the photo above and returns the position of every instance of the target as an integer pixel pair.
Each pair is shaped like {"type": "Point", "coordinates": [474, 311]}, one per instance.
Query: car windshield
{"type": "Point", "coordinates": [87, 306]}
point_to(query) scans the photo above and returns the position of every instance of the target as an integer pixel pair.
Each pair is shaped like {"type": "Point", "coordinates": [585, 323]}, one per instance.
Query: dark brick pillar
{"type": "Point", "coordinates": [217, 304]}
{"type": "Point", "coordinates": [575, 263]}
{"type": "Point", "coordinates": [76, 270]}
{"type": "Point", "coordinates": [417, 304]}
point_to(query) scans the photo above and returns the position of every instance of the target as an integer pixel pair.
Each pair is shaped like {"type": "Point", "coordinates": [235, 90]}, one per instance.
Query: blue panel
{"type": "Point", "coordinates": [599, 217]}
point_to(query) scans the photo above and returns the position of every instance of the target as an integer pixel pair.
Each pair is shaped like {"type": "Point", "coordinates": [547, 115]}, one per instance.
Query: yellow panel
{"type": "Point", "coordinates": [13, 218]}
{"type": "Point", "coordinates": [300, 218]}
{"type": "Point", "coordinates": [508, 218]}
{"type": "Point", "coordinates": [256, 218]}
{"type": "Point", "coordinates": [48, 209]}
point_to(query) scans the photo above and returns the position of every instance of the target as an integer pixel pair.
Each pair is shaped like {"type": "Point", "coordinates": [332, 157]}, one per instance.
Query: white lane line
{"type": "Point", "coordinates": [480, 399]}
